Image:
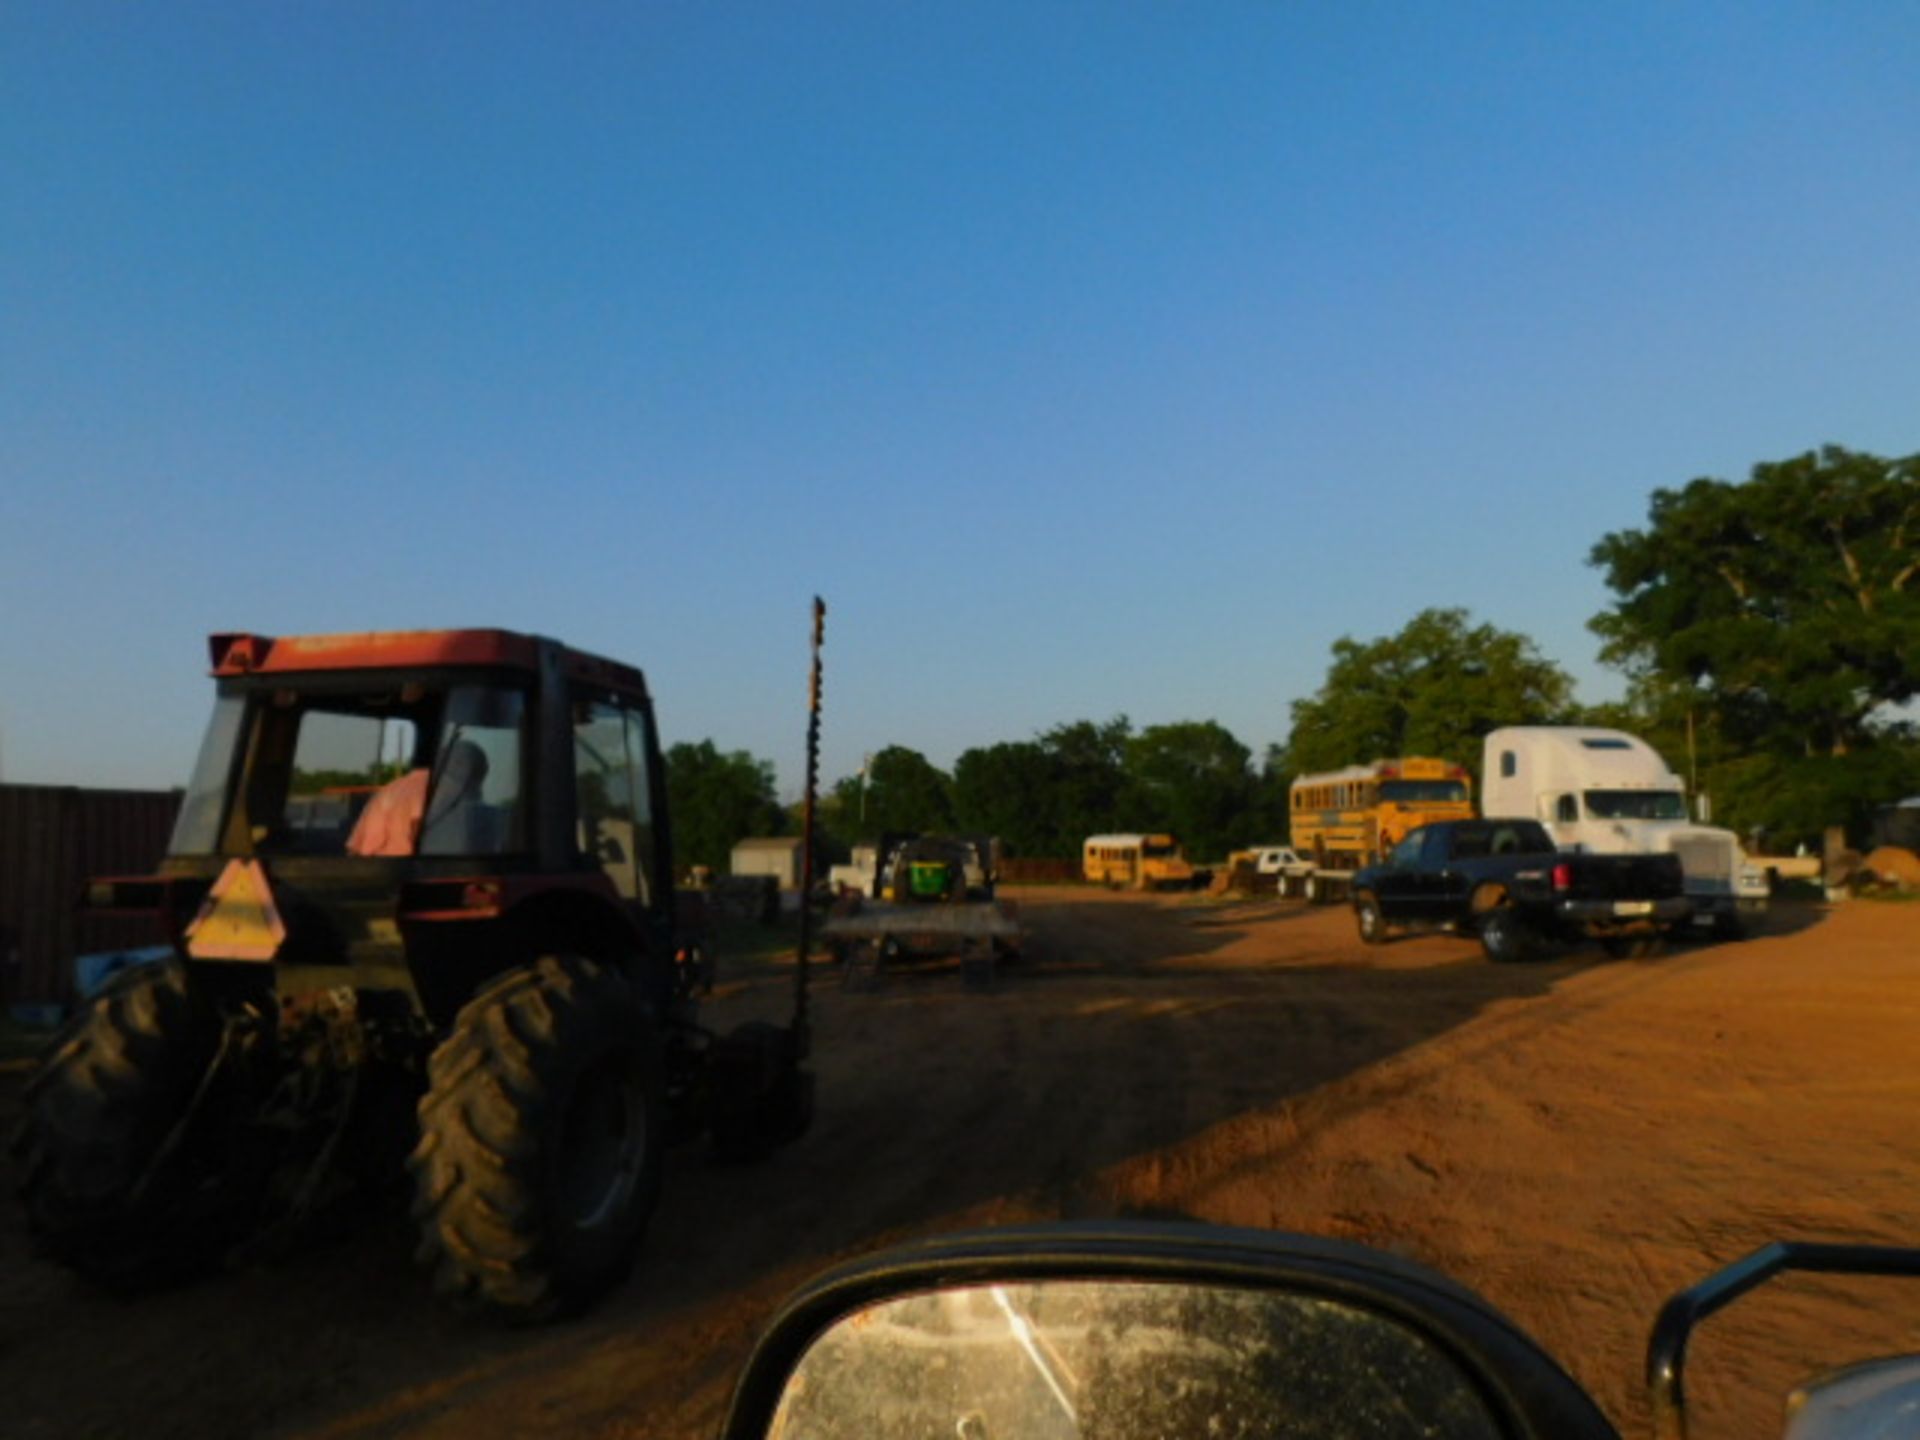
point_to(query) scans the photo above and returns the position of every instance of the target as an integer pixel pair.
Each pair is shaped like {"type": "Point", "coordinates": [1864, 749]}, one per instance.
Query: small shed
{"type": "Point", "coordinates": [775, 855]}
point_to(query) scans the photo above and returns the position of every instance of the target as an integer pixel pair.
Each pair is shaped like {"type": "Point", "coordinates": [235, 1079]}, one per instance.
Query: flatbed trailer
{"type": "Point", "coordinates": [867, 934]}
{"type": "Point", "coordinates": [1316, 884]}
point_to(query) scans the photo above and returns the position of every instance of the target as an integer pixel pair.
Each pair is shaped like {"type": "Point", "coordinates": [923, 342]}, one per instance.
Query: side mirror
{"type": "Point", "coordinates": [1863, 1402]}
{"type": "Point", "coordinates": [1057, 1359]}
{"type": "Point", "coordinates": [1149, 1332]}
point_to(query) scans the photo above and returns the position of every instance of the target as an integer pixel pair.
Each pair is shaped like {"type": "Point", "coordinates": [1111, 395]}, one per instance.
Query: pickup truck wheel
{"type": "Point", "coordinates": [1373, 925]}
{"type": "Point", "coordinates": [1505, 936]}
{"type": "Point", "coordinates": [1311, 889]}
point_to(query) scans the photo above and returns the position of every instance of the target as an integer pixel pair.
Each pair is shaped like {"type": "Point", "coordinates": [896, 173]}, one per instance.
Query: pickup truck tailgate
{"type": "Point", "coordinates": [1626, 877]}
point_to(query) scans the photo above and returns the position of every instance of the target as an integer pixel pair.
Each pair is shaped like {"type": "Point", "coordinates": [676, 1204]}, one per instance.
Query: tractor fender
{"type": "Point", "coordinates": [552, 920]}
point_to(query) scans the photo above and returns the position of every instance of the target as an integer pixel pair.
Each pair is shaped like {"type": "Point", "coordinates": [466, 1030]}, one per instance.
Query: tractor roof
{"type": "Point", "coordinates": [247, 654]}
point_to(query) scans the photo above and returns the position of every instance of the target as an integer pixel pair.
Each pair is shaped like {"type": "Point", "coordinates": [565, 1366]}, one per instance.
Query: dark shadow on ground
{"type": "Point", "coordinates": [1128, 1031]}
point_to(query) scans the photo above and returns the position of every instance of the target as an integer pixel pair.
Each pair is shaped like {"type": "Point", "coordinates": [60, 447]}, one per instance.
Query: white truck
{"type": "Point", "coordinates": [859, 876]}
{"type": "Point", "coordinates": [1609, 792]}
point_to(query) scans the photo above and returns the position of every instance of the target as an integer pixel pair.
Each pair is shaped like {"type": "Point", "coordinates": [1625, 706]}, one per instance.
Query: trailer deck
{"type": "Point", "coordinates": [870, 933]}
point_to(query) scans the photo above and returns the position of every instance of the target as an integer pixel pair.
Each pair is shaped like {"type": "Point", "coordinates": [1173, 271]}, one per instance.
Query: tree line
{"type": "Point", "coordinates": [1769, 632]}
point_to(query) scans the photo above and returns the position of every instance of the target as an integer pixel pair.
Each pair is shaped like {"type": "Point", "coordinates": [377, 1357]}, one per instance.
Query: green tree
{"type": "Point", "coordinates": [1435, 688]}
{"type": "Point", "coordinates": [1779, 618]}
{"type": "Point", "coordinates": [1789, 604]}
{"type": "Point", "coordinates": [1008, 790]}
{"type": "Point", "coordinates": [1089, 791]}
{"type": "Point", "coordinates": [716, 798]}
{"type": "Point", "coordinates": [903, 791]}
{"type": "Point", "coordinates": [1046, 795]}
{"type": "Point", "coordinates": [1192, 779]}
{"type": "Point", "coordinates": [1273, 811]}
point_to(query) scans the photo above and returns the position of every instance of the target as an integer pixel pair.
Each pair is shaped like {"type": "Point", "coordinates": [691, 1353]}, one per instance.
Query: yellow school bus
{"type": "Point", "coordinates": [1343, 819]}
{"type": "Point", "coordinates": [1144, 862]}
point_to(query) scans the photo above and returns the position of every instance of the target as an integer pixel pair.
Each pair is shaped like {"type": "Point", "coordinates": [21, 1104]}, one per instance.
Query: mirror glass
{"type": "Point", "coordinates": [1125, 1360]}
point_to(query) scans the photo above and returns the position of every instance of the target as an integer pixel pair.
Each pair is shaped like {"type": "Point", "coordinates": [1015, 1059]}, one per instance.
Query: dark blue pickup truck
{"type": "Point", "coordinates": [1504, 881]}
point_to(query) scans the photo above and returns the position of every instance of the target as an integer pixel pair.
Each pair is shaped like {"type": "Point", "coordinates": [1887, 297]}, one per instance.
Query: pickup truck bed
{"type": "Point", "coordinates": [1504, 881]}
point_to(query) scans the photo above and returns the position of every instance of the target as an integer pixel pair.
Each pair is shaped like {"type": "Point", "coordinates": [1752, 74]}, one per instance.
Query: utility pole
{"type": "Point", "coordinates": [1693, 764]}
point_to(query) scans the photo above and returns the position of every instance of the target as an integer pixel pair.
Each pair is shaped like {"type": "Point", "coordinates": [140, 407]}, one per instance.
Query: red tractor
{"type": "Point", "coordinates": [420, 901]}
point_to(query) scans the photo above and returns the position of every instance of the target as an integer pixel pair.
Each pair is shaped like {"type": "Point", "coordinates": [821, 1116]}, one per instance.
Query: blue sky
{"type": "Point", "coordinates": [1089, 358]}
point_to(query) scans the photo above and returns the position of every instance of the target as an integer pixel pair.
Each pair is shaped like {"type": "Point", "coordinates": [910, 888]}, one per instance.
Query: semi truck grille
{"type": "Point", "coordinates": [1705, 857]}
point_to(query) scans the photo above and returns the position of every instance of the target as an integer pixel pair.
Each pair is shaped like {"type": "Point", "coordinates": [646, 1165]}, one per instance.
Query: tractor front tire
{"type": "Point", "coordinates": [102, 1110]}
{"type": "Point", "coordinates": [541, 1140]}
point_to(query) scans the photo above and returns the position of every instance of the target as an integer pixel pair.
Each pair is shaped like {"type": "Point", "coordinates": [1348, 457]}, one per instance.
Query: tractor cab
{"type": "Point", "coordinates": [395, 812]}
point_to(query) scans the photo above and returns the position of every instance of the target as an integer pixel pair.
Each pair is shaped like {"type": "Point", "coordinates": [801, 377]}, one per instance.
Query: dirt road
{"type": "Point", "coordinates": [1575, 1139]}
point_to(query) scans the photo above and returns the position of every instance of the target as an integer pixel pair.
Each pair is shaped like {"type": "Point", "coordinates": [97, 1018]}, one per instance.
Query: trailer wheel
{"type": "Point", "coordinates": [1505, 937]}
{"type": "Point", "coordinates": [540, 1142]}
{"type": "Point", "coordinates": [861, 968]}
{"type": "Point", "coordinates": [1366, 914]}
{"type": "Point", "coordinates": [101, 1195]}
{"type": "Point", "coordinates": [761, 1097]}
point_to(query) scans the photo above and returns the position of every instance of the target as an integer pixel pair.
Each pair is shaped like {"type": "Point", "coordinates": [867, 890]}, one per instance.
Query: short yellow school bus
{"type": "Point", "coordinates": [1343, 819]}
{"type": "Point", "coordinates": [1144, 862]}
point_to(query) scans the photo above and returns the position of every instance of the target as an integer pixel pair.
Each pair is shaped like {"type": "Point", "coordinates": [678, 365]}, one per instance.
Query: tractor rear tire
{"type": "Point", "coordinates": [541, 1141]}
{"type": "Point", "coordinates": [102, 1105]}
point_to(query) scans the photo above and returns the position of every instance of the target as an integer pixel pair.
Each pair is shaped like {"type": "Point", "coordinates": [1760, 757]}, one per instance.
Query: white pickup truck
{"type": "Point", "coordinates": [1610, 793]}
{"type": "Point", "coordinates": [1289, 868]}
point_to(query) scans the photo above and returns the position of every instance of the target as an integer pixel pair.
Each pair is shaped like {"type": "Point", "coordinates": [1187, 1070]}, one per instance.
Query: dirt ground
{"type": "Point", "coordinates": [1575, 1139]}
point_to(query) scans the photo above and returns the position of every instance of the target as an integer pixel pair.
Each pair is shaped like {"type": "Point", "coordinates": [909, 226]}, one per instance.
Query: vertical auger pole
{"type": "Point", "coordinates": [802, 1036]}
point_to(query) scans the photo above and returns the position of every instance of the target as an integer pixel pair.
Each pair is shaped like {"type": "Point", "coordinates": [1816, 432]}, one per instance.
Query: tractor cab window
{"type": "Point", "coordinates": [612, 824]}
{"type": "Point", "coordinates": [197, 830]}
{"type": "Point", "coordinates": [646, 838]}
{"type": "Point", "coordinates": [473, 807]}
{"type": "Point", "coordinates": [387, 773]}
{"type": "Point", "coordinates": [342, 758]}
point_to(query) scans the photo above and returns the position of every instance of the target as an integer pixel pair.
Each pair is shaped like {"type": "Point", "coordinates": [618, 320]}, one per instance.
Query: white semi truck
{"type": "Point", "coordinates": [1609, 792]}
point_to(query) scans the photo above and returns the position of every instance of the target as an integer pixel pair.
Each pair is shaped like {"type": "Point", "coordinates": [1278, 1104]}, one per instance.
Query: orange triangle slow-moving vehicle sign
{"type": "Point", "coordinates": [238, 920]}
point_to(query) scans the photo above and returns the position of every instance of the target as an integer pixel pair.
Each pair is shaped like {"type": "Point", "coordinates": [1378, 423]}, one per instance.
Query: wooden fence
{"type": "Point", "coordinates": [53, 838]}
{"type": "Point", "coordinates": [1038, 870]}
